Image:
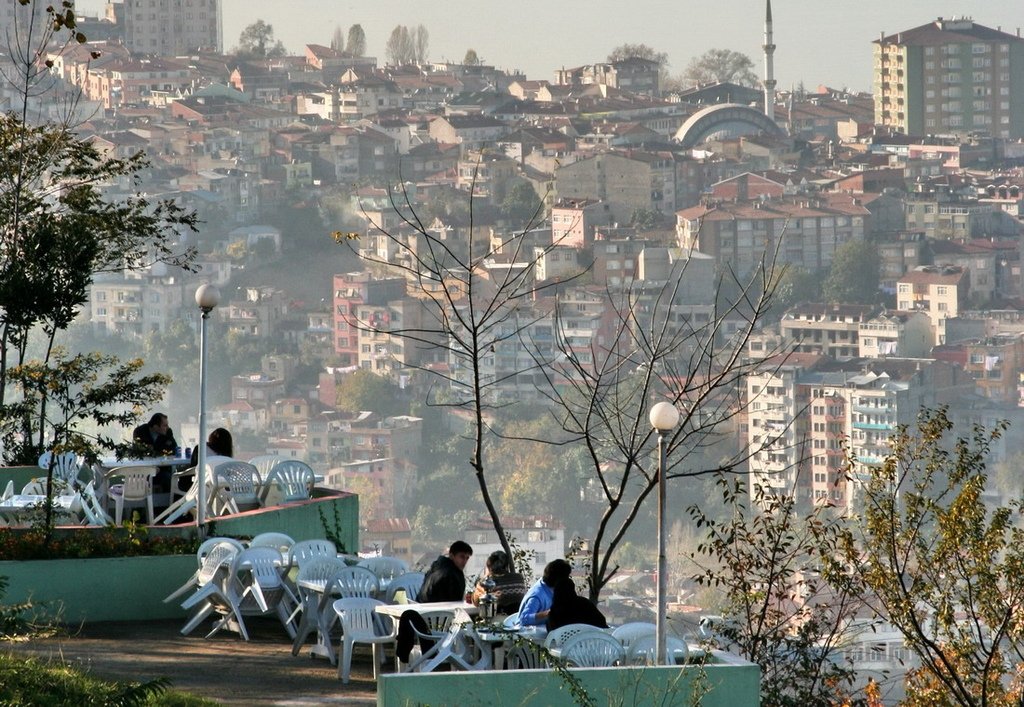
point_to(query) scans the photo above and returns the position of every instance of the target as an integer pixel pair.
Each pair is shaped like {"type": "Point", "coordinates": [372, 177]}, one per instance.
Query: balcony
{"type": "Point", "coordinates": [874, 425]}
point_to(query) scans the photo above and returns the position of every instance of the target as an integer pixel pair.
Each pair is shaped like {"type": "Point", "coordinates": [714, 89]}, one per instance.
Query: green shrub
{"type": "Point", "coordinates": [126, 541]}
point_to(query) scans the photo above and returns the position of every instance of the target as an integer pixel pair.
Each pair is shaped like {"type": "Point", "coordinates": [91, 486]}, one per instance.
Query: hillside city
{"type": "Point", "coordinates": [612, 193]}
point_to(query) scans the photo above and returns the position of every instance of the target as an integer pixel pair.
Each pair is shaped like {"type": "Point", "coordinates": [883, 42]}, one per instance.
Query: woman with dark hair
{"type": "Point", "coordinates": [567, 607]}
{"type": "Point", "coordinates": [509, 587]}
{"type": "Point", "coordinates": [533, 611]}
{"type": "Point", "coordinates": [218, 444]}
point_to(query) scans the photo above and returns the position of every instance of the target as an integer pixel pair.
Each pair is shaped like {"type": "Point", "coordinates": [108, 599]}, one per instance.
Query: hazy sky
{"type": "Point", "coordinates": [819, 41]}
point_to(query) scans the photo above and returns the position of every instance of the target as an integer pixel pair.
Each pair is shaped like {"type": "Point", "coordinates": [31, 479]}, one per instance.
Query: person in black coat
{"type": "Point", "coordinates": [445, 581]}
{"type": "Point", "coordinates": [157, 439]}
{"type": "Point", "coordinates": [569, 608]}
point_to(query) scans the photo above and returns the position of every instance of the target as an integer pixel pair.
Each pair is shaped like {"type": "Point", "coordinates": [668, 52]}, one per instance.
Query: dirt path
{"type": "Point", "coordinates": [225, 668]}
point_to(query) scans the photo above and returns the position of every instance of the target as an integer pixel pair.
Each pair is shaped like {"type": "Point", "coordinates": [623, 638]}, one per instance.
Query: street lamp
{"type": "Point", "coordinates": [664, 416]}
{"type": "Point", "coordinates": [207, 297]}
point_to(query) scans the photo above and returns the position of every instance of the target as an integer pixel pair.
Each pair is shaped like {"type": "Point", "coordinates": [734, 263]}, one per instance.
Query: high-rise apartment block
{"type": "Point", "coordinates": [950, 76]}
{"type": "Point", "coordinates": [171, 27]}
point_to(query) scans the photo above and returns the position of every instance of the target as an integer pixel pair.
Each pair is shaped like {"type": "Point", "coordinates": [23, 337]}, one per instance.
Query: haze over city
{"type": "Point", "coordinates": [818, 42]}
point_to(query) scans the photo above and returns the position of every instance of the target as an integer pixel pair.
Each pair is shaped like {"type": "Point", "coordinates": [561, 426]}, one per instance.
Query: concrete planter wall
{"type": "Point", "coordinates": [133, 588]}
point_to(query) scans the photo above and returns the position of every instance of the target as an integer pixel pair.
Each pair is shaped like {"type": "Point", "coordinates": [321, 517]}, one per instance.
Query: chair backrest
{"type": "Point", "coordinates": [558, 637]}
{"type": "Point", "coordinates": [511, 621]}
{"type": "Point", "coordinates": [320, 569]}
{"type": "Point", "coordinates": [410, 583]}
{"type": "Point", "coordinates": [525, 656]}
{"type": "Point", "coordinates": [37, 486]}
{"type": "Point", "coordinates": [8, 490]}
{"type": "Point", "coordinates": [211, 543]}
{"type": "Point", "coordinates": [644, 650]}
{"type": "Point", "coordinates": [282, 542]}
{"type": "Point", "coordinates": [593, 649]}
{"type": "Point", "coordinates": [627, 633]}
{"type": "Point", "coordinates": [263, 565]}
{"type": "Point", "coordinates": [241, 479]}
{"type": "Point", "coordinates": [289, 480]}
{"type": "Point", "coordinates": [386, 568]}
{"type": "Point", "coordinates": [353, 582]}
{"type": "Point", "coordinates": [219, 557]}
{"type": "Point", "coordinates": [136, 481]}
{"type": "Point", "coordinates": [438, 621]}
{"type": "Point", "coordinates": [264, 463]}
{"type": "Point", "coordinates": [65, 466]}
{"type": "Point", "coordinates": [308, 549]}
{"type": "Point", "coordinates": [357, 618]}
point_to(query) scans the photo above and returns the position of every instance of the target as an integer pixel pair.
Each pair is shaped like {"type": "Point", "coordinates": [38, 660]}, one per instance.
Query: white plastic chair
{"type": "Point", "coordinates": [627, 633]}
{"type": "Point", "coordinates": [201, 554]}
{"type": "Point", "coordinates": [308, 549]}
{"type": "Point", "coordinates": [359, 625]}
{"type": "Point", "coordinates": [438, 623]}
{"type": "Point", "coordinates": [93, 512]}
{"type": "Point", "coordinates": [511, 622]}
{"type": "Point", "coordinates": [218, 502]}
{"type": "Point", "coordinates": [644, 650]}
{"type": "Point", "coordinates": [592, 649]}
{"type": "Point", "coordinates": [410, 583]}
{"type": "Point", "coordinates": [385, 568]}
{"type": "Point", "coordinates": [289, 480]}
{"type": "Point", "coordinates": [135, 487]}
{"type": "Point", "coordinates": [460, 647]}
{"type": "Point", "coordinates": [8, 491]}
{"type": "Point", "coordinates": [353, 582]}
{"type": "Point", "coordinates": [265, 462]}
{"type": "Point", "coordinates": [254, 586]}
{"type": "Point", "coordinates": [65, 466]}
{"type": "Point", "coordinates": [281, 541]}
{"type": "Point", "coordinates": [556, 639]}
{"type": "Point", "coordinates": [212, 574]}
{"type": "Point", "coordinates": [37, 487]}
{"type": "Point", "coordinates": [242, 481]}
{"type": "Point", "coordinates": [314, 610]}
{"type": "Point", "coordinates": [525, 656]}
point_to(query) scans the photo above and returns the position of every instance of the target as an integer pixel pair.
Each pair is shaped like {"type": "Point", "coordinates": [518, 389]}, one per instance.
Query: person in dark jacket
{"type": "Point", "coordinates": [446, 579]}
{"type": "Point", "coordinates": [157, 439]}
{"type": "Point", "coordinates": [569, 608]}
{"type": "Point", "coordinates": [509, 587]}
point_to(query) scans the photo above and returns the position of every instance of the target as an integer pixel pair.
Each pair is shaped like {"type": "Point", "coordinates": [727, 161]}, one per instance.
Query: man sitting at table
{"type": "Point", "coordinates": [157, 439]}
{"type": "Point", "coordinates": [445, 581]}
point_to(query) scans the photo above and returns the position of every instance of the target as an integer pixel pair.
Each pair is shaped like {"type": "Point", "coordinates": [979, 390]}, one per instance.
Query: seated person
{"type": "Point", "coordinates": [569, 608]}
{"type": "Point", "coordinates": [218, 444]}
{"type": "Point", "coordinates": [444, 581]}
{"type": "Point", "coordinates": [157, 439]}
{"type": "Point", "coordinates": [509, 587]}
{"type": "Point", "coordinates": [534, 609]}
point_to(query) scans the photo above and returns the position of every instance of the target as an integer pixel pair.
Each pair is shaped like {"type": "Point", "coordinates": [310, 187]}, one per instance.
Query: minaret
{"type": "Point", "coordinates": [769, 65]}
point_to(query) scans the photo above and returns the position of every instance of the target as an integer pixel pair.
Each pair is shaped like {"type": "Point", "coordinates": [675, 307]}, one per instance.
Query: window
{"type": "Point", "coordinates": [101, 311]}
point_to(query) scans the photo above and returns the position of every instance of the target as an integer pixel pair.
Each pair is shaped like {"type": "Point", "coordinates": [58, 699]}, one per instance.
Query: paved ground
{"type": "Point", "coordinates": [225, 668]}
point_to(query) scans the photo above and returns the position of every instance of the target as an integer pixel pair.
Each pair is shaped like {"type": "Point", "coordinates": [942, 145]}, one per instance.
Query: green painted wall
{"type": "Point", "coordinates": [133, 588]}
{"type": "Point", "coordinates": [20, 475]}
{"type": "Point", "coordinates": [734, 685]}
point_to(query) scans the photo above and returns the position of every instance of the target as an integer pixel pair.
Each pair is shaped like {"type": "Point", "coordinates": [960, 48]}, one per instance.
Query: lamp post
{"type": "Point", "coordinates": [207, 297]}
{"type": "Point", "coordinates": [664, 416]}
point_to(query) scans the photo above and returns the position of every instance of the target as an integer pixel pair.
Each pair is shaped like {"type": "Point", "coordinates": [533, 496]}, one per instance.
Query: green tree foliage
{"type": "Point", "coordinates": [638, 51]}
{"type": "Point", "coordinates": [471, 58]}
{"type": "Point", "coordinates": [522, 204]}
{"type": "Point", "coordinates": [365, 390]}
{"type": "Point", "coordinates": [720, 65]}
{"type": "Point", "coordinates": [257, 42]}
{"type": "Point", "coordinates": [787, 596]}
{"type": "Point", "coordinates": [853, 277]}
{"type": "Point", "coordinates": [645, 218]}
{"type": "Point", "coordinates": [944, 568]}
{"type": "Point", "coordinates": [796, 285]}
{"type": "Point", "coordinates": [356, 44]}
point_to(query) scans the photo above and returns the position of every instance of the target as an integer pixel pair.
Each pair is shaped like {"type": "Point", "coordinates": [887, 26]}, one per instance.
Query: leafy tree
{"type": "Point", "coordinates": [257, 42]}
{"type": "Point", "coordinates": [471, 58]}
{"type": "Point", "coordinates": [400, 47]}
{"type": "Point", "coordinates": [796, 285]}
{"type": "Point", "coordinates": [645, 218]}
{"type": "Point", "coordinates": [365, 390]}
{"type": "Point", "coordinates": [71, 392]}
{"type": "Point", "coordinates": [854, 275]}
{"type": "Point", "coordinates": [338, 39]}
{"type": "Point", "coordinates": [720, 65]}
{"type": "Point", "coordinates": [638, 51]}
{"type": "Point", "coordinates": [944, 568]}
{"type": "Point", "coordinates": [787, 595]}
{"type": "Point", "coordinates": [356, 45]}
{"type": "Point", "coordinates": [522, 204]}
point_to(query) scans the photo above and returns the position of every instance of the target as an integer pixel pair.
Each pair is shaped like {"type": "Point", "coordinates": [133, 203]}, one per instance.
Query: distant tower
{"type": "Point", "coordinates": [769, 65]}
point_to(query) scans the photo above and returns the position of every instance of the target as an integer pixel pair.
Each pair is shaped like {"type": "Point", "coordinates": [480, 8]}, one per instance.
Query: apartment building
{"type": "Point", "coordinates": [995, 363]}
{"type": "Point", "coordinates": [941, 292]}
{"type": "Point", "coordinates": [351, 290]}
{"type": "Point", "coordinates": [172, 27]}
{"type": "Point", "coordinates": [134, 304]}
{"type": "Point", "coordinates": [542, 537]}
{"type": "Point", "coordinates": [574, 222]}
{"type": "Point", "coordinates": [950, 76]}
{"type": "Point", "coordinates": [896, 333]}
{"type": "Point", "coordinates": [830, 329]}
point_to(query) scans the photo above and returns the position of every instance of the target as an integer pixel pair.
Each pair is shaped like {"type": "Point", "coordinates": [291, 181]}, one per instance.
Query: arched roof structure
{"type": "Point", "coordinates": [726, 120]}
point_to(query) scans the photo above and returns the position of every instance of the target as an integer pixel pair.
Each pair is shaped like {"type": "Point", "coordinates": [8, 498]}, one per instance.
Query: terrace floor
{"type": "Point", "coordinates": [224, 668]}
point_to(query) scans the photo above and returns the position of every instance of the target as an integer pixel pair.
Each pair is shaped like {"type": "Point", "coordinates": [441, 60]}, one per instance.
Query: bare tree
{"type": "Point", "coordinates": [400, 47]}
{"type": "Point", "coordinates": [667, 342]}
{"type": "Point", "coordinates": [421, 40]}
{"type": "Point", "coordinates": [720, 65]}
{"type": "Point", "coordinates": [356, 45]}
{"type": "Point", "coordinates": [338, 39]}
{"type": "Point", "coordinates": [476, 298]}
